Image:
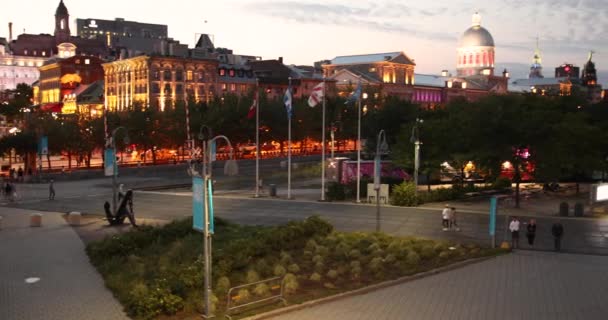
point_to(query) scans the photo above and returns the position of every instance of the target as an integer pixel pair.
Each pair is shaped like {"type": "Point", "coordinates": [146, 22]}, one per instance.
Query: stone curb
{"type": "Point", "coordinates": [364, 290]}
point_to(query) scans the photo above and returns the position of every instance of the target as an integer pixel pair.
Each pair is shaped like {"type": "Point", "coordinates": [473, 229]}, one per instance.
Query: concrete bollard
{"type": "Point", "coordinates": [36, 220]}
{"type": "Point", "coordinates": [74, 218]}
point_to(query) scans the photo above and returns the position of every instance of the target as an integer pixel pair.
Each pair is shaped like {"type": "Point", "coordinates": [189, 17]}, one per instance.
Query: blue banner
{"type": "Point", "coordinates": [198, 205]}
{"type": "Point", "coordinates": [493, 204]}
{"type": "Point", "coordinates": [210, 194]}
{"type": "Point", "coordinates": [109, 162]}
{"type": "Point", "coordinates": [213, 152]}
{"type": "Point", "coordinates": [43, 146]}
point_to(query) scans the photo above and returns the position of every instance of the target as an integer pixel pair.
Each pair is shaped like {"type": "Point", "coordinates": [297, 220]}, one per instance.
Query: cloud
{"type": "Point", "coordinates": [382, 17]}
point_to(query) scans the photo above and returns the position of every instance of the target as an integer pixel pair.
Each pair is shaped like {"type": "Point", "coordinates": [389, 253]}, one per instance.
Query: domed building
{"type": "Point", "coordinates": [475, 51]}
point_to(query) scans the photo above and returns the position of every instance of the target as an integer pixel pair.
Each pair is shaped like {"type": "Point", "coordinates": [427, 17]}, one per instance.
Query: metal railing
{"type": "Point", "coordinates": [232, 301]}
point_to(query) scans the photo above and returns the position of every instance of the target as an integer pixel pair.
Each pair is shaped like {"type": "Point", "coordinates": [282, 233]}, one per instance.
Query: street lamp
{"type": "Point", "coordinates": [381, 148]}
{"type": "Point", "coordinates": [207, 189]}
{"type": "Point", "coordinates": [115, 169]}
{"type": "Point", "coordinates": [415, 139]}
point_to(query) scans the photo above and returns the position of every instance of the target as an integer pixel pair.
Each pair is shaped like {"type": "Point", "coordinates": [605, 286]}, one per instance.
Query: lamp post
{"type": "Point", "coordinates": [115, 169]}
{"type": "Point", "coordinates": [208, 226]}
{"type": "Point", "coordinates": [416, 140]}
{"type": "Point", "coordinates": [381, 148]}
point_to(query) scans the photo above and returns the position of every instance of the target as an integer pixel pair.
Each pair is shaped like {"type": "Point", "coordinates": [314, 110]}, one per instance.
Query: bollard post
{"type": "Point", "coordinates": [36, 220]}
{"type": "Point", "coordinates": [74, 218]}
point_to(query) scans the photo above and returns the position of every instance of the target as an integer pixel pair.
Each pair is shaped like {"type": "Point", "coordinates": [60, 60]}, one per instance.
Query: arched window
{"type": "Point", "coordinates": [485, 58]}
{"type": "Point", "coordinates": [62, 24]}
{"type": "Point", "coordinates": [471, 58]}
{"type": "Point", "coordinates": [477, 58]}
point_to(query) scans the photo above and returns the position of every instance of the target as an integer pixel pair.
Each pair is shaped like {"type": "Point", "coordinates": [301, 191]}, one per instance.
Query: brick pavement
{"type": "Point", "coordinates": [523, 285]}
{"type": "Point", "coordinates": [69, 287]}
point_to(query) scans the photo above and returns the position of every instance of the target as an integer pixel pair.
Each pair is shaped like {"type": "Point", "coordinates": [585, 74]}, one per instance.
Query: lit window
{"type": "Point", "coordinates": [189, 75]}
{"type": "Point", "coordinates": [232, 87]}
{"type": "Point", "coordinates": [25, 53]}
{"type": "Point", "coordinates": [224, 87]}
{"type": "Point", "coordinates": [44, 53]}
{"type": "Point", "coordinates": [87, 61]}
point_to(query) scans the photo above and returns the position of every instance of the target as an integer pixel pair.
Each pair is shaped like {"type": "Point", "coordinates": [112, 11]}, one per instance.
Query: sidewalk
{"type": "Point", "coordinates": [65, 285]}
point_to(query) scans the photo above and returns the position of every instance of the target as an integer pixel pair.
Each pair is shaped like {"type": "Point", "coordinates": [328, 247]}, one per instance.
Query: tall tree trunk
{"type": "Point", "coordinates": [48, 160]}
{"type": "Point", "coordinates": [428, 181]}
{"type": "Point", "coordinates": [69, 160]}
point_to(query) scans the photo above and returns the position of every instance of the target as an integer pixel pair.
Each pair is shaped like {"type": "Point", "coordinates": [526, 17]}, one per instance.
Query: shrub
{"type": "Point", "coordinates": [404, 195]}
{"type": "Point", "coordinates": [293, 268]}
{"type": "Point", "coordinates": [315, 277]}
{"type": "Point", "coordinates": [412, 259]}
{"type": "Point", "coordinates": [427, 251]}
{"type": "Point", "coordinates": [376, 264]}
{"type": "Point", "coordinates": [285, 258]}
{"type": "Point", "coordinates": [317, 259]}
{"type": "Point", "coordinates": [332, 274]}
{"type": "Point", "coordinates": [261, 289]}
{"type": "Point", "coordinates": [355, 254]}
{"type": "Point", "coordinates": [335, 191]}
{"type": "Point", "coordinates": [222, 286]}
{"type": "Point", "coordinates": [390, 258]}
{"type": "Point", "coordinates": [291, 283]}
{"type": "Point", "coordinates": [252, 276]}
{"type": "Point", "coordinates": [243, 295]}
{"type": "Point", "coordinates": [279, 270]}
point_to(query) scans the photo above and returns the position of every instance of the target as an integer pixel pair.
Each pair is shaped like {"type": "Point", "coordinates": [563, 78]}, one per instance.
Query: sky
{"type": "Point", "coordinates": [306, 31]}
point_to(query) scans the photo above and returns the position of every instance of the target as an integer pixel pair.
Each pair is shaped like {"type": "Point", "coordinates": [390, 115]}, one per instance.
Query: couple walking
{"type": "Point", "coordinates": [557, 231]}
{"type": "Point", "coordinates": [448, 216]}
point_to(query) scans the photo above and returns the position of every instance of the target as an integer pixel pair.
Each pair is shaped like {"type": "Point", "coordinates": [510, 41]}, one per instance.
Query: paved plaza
{"type": "Point", "coordinates": [518, 286]}
{"type": "Point", "coordinates": [65, 286]}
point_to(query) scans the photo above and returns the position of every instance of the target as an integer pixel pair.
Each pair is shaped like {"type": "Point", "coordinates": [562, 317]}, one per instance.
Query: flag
{"type": "Point", "coordinates": [252, 109]}
{"type": "Point", "coordinates": [316, 95]}
{"type": "Point", "coordinates": [287, 99]}
{"type": "Point", "coordinates": [355, 96]}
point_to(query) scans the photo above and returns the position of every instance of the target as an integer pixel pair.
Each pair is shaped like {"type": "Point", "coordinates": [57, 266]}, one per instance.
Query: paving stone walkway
{"type": "Point", "coordinates": [65, 285]}
{"type": "Point", "coordinates": [523, 285]}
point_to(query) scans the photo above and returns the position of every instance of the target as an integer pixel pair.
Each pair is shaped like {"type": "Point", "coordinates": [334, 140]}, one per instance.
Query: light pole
{"type": "Point", "coordinates": [115, 169]}
{"type": "Point", "coordinates": [381, 148]}
{"type": "Point", "coordinates": [208, 225]}
{"type": "Point", "coordinates": [416, 140]}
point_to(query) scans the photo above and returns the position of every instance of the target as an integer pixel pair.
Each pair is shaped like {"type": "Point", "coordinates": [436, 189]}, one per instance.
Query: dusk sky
{"type": "Point", "coordinates": [306, 31]}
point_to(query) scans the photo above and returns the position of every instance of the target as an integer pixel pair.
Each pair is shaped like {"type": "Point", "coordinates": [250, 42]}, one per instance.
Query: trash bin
{"type": "Point", "coordinates": [273, 190]}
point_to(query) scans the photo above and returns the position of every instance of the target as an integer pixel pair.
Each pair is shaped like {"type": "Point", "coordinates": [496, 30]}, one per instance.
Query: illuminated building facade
{"type": "Point", "coordinates": [476, 51]}
{"type": "Point", "coordinates": [158, 81]}
{"type": "Point", "coordinates": [15, 69]}
{"type": "Point", "coordinates": [61, 77]}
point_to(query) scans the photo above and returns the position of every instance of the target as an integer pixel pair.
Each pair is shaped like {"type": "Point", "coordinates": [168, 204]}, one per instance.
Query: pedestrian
{"type": "Point", "coordinates": [514, 228]}
{"type": "Point", "coordinates": [445, 215]}
{"type": "Point", "coordinates": [20, 174]}
{"type": "Point", "coordinates": [531, 232]}
{"type": "Point", "coordinates": [453, 223]}
{"type": "Point", "coordinates": [558, 231]}
{"type": "Point", "coordinates": [52, 190]}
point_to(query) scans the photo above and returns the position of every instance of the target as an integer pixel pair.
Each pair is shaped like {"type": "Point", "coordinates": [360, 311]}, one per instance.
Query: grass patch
{"type": "Point", "coordinates": [157, 272]}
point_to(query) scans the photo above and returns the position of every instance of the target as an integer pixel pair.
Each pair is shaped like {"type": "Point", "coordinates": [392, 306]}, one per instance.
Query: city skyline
{"type": "Point", "coordinates": [312, 30]}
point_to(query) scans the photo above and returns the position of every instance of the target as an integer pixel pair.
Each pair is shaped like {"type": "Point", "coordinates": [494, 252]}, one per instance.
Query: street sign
{"type": "Point", "coordinates": [377, 167]}
{"type": "Point", "coordinates": [109, 162]}
{"type": "Point", "coordinates": [599, 193]}
{"type": "Point", "coordinates": [198, 205]}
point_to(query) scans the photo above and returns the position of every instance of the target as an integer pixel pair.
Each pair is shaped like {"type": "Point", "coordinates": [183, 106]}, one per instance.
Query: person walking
{"type": "Point", "coordinates": [453, 224]}
{"type": "Point", "coordinates": [558, 231]}
{"type": "Point", "coordinates": [20, 174]}
{"type": "Point", "coordinates": [445, 216]}
{"type": "Point", "coordinates": [531, 232]}
{"type": "Point", "coordinates": [514, 228]}
{"type": "Point", "coordinates": [52, 190]}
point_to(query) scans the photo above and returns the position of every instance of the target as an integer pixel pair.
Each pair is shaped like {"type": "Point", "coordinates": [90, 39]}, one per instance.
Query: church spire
{"type": "Point", "coordinates": [536, 69]}
{"type": "Point", "coordinates": [62, 24]}
{"type": "Point", "coordinates": [476, 20]}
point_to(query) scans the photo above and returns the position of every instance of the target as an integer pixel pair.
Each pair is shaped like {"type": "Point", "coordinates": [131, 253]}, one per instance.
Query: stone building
{"type": "Point", "coordinates": [158, 81]}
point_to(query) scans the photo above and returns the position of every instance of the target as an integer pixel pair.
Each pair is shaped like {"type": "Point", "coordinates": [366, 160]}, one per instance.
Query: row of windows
{"type": "Point", "coordinates": [22, 63]}
{"type": "Point", "coordinates": [235, 73]}
{"type": "Point", "coordinates": [233, 86]}
{"type": "Point", "coordinates": [18, 75]}
{"type": "Point", "coordinates": [35, 53]}
{"type": "Point", "coordinates": [483, 59]}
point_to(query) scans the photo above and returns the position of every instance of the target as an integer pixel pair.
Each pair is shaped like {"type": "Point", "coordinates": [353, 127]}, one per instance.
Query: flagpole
{"type": "Point", "coordinates": [289, 145]}
{"type": "Point", "coordinates": [323, 148]}
{"type": "Point", "coordinates": [359, 149]}
{"type": "Point", "coordinates": [256, 96]}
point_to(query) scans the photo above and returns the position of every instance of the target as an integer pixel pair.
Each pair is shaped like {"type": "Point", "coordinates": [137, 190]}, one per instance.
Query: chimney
{"type": "Point", "coordinates": [10, 32]}
{"type": "Point", "coordinates": [444, 73]}
{"type": "Point", "coordinates": [281, 60]}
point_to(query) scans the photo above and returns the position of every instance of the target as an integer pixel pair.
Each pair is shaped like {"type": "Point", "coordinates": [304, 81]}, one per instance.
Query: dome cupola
{"type": "Point", "coordinates": [476, 50]}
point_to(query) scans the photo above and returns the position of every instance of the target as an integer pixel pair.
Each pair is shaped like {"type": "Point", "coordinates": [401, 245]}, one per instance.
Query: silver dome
{"type": "Point", "coordinates": [476, 36]}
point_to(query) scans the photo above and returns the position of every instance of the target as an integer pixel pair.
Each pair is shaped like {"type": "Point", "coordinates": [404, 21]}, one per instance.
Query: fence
{"type": "Point", "coordinates": [276, 289]}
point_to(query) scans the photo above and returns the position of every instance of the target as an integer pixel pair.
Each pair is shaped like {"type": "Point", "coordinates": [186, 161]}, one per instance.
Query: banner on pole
{"type": "Point", "coordinates": [493, 204]}
{"type": "Point", "coordinates": [43, 146]}
{"type": "Point", "coordinates": [198, 220]}
{"type": "Point", "coordinates": [210, 195]}
{"type": "Point", "coordinates": [213, 151]}
{"type": "Point", "coordinates": [377, 167]}
{"type": "Point", "coordinates": [109, 162]}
